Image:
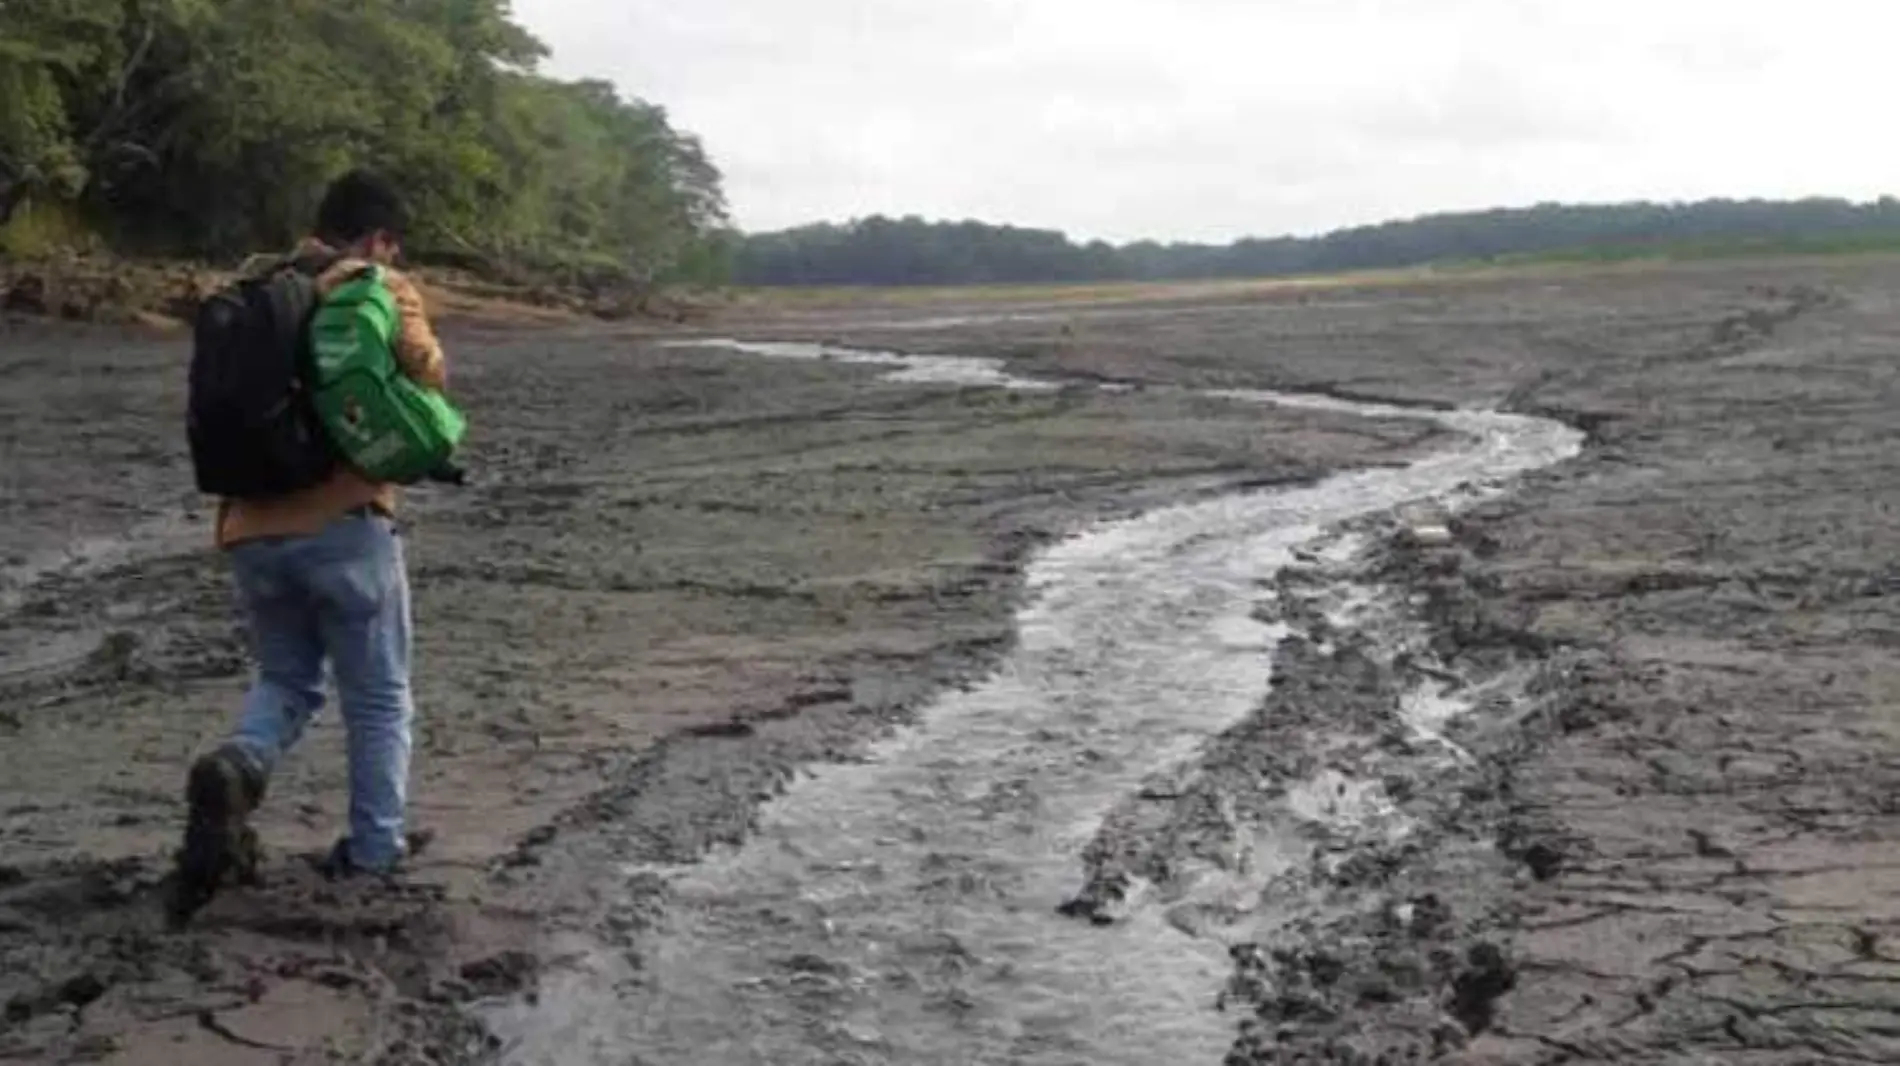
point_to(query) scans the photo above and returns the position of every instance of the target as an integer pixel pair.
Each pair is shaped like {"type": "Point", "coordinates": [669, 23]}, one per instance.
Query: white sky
{"type": "Point", "coordinates": [1213, 119]}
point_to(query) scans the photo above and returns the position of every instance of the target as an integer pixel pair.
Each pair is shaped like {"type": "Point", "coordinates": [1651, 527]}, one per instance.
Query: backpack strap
{"type": "Point", "coordinates": [310, 263]}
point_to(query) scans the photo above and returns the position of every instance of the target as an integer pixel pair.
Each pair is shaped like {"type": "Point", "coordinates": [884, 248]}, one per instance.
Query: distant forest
{"type": "Point", "coordinates": [912, 251]}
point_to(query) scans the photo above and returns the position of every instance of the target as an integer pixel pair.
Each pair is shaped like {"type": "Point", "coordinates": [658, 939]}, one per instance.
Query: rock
{"type": "Point", "coordinates": [27, 294]}
{"type": "Point", "coordinates": [1544, 859]}
{"type": "Point", "coordinates": [1708, 846]}
{"type": "Point", "coordinates": [1107, 900]}
{"type": "Point", "coordinates": [1486, 976]}
{"type": "Point", "coordinates": [189, 292]}
{"type": "Point", "coordinates": [501, 975]}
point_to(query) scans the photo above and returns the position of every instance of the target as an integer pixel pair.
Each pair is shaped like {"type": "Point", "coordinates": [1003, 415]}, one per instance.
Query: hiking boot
{"type": "Point", "coordinates": [224, 788]}
{"type": "Point", "coordinates": [337, 865]}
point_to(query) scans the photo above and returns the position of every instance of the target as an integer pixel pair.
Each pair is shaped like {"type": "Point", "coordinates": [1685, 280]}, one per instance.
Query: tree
{"type": "Point", "coordinates": [211, 126]}
{"type": "Point", "coordinates": [885, 251]}
{"type": "Point", "coordinates": [40, 50]}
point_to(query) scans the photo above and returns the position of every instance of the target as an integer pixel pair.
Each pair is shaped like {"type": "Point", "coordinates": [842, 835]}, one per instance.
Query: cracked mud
{"type": "Point", "coordinates": [1601, 773]}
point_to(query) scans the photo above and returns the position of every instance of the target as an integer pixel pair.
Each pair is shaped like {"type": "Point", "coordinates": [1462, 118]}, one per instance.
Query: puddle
{"type": "Point", "coordinates": [902, 908]}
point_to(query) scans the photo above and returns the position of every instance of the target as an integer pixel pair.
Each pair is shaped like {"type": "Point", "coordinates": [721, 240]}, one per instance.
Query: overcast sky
{"type": "Point", "coordinates": [1212, 119]}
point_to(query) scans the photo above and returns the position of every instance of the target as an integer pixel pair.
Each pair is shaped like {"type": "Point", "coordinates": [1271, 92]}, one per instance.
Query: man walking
{"type": "Point", "coordinates": [321, 579]}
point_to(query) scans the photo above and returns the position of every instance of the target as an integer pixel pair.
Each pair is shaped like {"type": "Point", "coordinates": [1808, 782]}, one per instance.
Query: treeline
{"type": "Point", "coordinates": [209, 127]}
{"type": "Point", "coordinates": [912, 251]}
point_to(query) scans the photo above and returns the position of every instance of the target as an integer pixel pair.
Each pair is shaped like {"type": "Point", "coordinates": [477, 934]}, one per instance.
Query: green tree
{"type": "Point", "coordinates": [210, 126]}
{"type": "Point", "coordinates": [44, 52]}
{"type": "Point", "coordinates": [885, 251]}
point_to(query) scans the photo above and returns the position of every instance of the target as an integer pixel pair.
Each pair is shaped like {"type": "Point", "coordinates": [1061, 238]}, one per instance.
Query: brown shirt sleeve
{"type": "Point", "coordinates": [417, 350]}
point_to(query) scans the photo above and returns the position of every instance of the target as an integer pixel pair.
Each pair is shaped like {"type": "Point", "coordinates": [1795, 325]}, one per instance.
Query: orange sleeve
{"type": "Point", "coordinates": [418, 351]}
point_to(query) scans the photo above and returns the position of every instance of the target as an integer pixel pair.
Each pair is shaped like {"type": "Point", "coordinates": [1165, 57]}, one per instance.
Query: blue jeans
{"type": "Point", "coordinates": [341, 596]}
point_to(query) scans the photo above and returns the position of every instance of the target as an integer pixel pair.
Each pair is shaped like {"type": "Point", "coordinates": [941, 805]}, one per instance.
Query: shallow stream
{"type": "Point", "coordinates": [903, 908]}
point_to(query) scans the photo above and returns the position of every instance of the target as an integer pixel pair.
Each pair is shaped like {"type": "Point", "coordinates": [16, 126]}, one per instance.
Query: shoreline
{"type": "Point", "coordinates": [157, 295]}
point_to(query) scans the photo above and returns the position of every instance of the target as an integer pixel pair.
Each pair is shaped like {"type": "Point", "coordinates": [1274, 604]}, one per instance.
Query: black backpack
{"type": "Point", "coordinates": [253, 431]}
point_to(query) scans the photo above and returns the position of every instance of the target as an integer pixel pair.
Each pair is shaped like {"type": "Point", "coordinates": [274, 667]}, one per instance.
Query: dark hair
{"type": "Point", "coordinates": [357, 205]}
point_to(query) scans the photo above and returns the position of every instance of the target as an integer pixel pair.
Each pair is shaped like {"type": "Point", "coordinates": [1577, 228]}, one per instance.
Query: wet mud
{"type": "Point", "coordinates": [900, 908]}
{"type": "Point", "coordinates": [1597, 770]}
{"type": "Point", "coordinates": [1671, 846]}
{"type": "Point", "coordinates": [680, 576]}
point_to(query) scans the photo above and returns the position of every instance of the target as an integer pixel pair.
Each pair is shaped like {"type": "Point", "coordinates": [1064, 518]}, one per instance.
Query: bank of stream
{"type": "Point", "coordinates": [906, 906]}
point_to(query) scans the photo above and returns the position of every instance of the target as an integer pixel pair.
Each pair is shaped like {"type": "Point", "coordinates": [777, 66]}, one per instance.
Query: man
{"type": "Point", "coordinates": [320, 577]}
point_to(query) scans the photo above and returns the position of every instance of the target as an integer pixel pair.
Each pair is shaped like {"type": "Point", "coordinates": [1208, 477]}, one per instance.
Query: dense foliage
{"type": "Point", "coordinates": [911, 251]}
{"type": "Point", "coordinates": [211, 126]}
